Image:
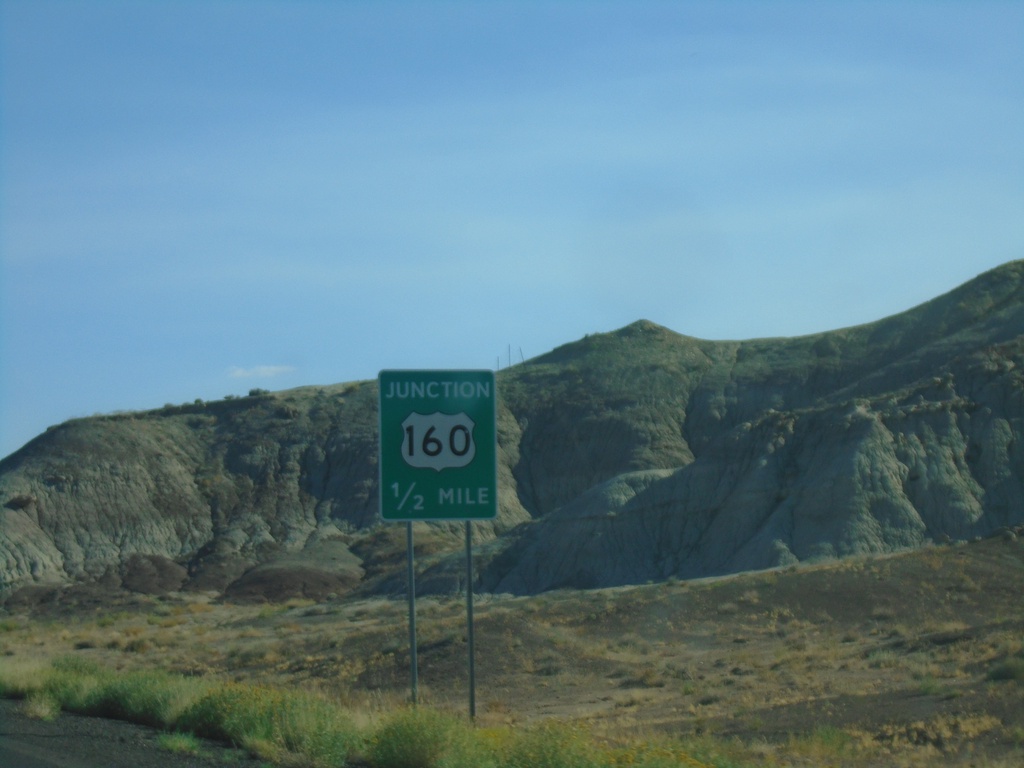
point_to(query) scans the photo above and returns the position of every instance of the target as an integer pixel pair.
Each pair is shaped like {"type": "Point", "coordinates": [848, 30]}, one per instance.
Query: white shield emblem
{"type": "Point", "coordinates": [438, 440]}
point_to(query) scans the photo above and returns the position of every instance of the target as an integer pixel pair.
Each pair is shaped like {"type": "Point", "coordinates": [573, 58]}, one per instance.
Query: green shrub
{"type": "Point", "coordinates": [150, 698]}
{"type": "Point", "coordinates": [647, 756]}
{"type": "Point", "coordinates": [40, 706]}
{"type": "Point", "coordinates": [233, 712]}
{"type": "Point", "coordinates": [273, 723]}
{"type": "Point", "coordinates": [553, 745]}
{"type": "Point", "coordinates": [179, 743]}
{"type": "Point", "coordinates": [76, 665]}
{"type": "Point", "coordinates": [413, 738]}
{"type": "Point", "coordinates": [73, 683]}
{"type": "Point", "coordinates": [20, 677]}
{"type": "Point", "coordinates": [311, 726]}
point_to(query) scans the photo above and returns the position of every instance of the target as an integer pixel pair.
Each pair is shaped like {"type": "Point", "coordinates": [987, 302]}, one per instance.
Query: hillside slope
{"type": "Point", "coordinates": [623, 457]}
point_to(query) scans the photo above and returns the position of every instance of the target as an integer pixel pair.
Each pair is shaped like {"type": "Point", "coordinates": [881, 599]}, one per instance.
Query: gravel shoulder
{"type": "Point", "coordinates": [75, 741]}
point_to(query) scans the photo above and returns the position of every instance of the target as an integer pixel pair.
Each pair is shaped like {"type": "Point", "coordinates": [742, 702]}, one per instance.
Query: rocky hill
{"type": "Point", "coordinates": [624, 457]}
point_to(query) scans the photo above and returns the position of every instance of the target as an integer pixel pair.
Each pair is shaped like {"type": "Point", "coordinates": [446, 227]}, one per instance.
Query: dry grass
{"type": "Point", "coordinates": [853, 663]}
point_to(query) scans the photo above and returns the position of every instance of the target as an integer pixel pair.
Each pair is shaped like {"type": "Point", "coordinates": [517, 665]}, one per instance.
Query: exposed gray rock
{"type": "Point", "coordinates": [624, 457]}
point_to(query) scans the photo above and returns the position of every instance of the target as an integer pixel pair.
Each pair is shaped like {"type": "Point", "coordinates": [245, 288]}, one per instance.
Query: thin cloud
{"type": "Point", "coordinates": [260, 371]}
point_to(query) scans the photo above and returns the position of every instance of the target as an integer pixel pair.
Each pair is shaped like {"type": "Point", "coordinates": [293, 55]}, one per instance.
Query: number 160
{"type": "Point", "coordinates": [459, 441]}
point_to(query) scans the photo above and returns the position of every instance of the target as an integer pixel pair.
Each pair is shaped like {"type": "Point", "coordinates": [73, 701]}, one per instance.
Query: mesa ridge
{"type": "Point", "coordinates": [625, 457]}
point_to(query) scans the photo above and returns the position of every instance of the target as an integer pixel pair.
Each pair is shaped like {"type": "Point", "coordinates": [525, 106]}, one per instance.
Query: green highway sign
{"type": "Point", "coordinates": [438, 445]}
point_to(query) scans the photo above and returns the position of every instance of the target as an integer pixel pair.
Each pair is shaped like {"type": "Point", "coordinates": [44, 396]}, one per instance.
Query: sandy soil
{"type": "Point", "coordinates": [886, 660]}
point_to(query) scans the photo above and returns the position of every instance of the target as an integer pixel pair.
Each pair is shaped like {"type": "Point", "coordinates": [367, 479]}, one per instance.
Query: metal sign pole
{"type": "Point", "coordinates": [438, 461]}
{"type": "Point", "coordinates": [469, 620]}
{"type": "Point", "coordinates": [414, 671]}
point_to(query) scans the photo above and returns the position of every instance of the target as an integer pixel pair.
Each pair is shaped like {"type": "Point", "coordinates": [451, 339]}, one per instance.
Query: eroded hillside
{"type": "Point", "coordinates": [624, 457]}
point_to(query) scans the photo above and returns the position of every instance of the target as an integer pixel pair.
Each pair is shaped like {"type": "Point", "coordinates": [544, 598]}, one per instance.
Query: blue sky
{"type": "Point", "coordinates": [199, 198]}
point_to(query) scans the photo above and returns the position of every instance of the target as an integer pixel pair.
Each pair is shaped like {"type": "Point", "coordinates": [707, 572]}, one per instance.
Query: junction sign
{"type": "Point", "coordinates": [438, 445]}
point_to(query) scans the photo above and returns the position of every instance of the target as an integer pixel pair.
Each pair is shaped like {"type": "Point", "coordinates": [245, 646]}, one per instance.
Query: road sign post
{"type": "Point", "coordinates": [438, 461]}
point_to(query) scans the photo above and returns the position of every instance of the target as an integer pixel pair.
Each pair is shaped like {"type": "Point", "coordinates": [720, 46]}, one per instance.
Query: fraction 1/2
{"type": "Point", "coordinates": [417, 499]}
